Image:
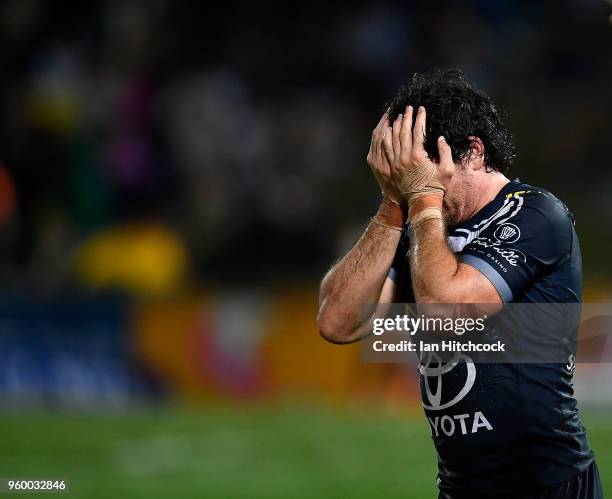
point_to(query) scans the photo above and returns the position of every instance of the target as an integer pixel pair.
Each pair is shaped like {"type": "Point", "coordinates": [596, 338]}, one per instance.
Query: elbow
{"type": "Point", "coordinates": [436, 297]}
{"type": "Point", "coordinates": [424, 299]}
{"type": "Point", "coordinates": [441, 295]}
{"type": "Point", "coordinates": [333, 330]}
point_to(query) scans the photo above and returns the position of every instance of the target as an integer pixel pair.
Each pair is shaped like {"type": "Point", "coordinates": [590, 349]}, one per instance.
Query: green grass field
{"type": "Point", "coordinates": [237, 453]}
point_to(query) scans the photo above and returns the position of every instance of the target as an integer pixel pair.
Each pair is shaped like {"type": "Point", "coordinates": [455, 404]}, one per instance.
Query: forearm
{"type": "Point", "coordinates": [437, 274]}
{"type": "Point", "coordinates": [433, 265]}
{"type": "Point", "coordinates": [354, 282]}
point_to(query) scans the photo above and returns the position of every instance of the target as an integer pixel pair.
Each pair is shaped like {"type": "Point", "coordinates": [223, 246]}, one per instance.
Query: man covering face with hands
{"type": "Point", "coordinates": [416, 178]}
{"type": "Point", "coordinates": [452, 228]}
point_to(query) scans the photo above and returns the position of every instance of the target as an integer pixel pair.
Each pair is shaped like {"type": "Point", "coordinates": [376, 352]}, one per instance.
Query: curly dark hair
{"type": "Point", "coordinates": [457, 110]}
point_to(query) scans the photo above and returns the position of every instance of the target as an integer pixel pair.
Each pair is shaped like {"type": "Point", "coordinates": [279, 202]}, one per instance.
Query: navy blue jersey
{"type": "Point", "coordinates": [507, 427]}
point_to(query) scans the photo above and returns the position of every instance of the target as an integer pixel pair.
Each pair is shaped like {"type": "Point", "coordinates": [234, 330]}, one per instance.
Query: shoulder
{"type": "Point", "coordinates": [534, 209]}
{"type": "Point", "coordinates": [540, 198]}
{"type": "Point", "coordinates": [529, 234]}
{"type": "Point", "coordinates": [534, 222]}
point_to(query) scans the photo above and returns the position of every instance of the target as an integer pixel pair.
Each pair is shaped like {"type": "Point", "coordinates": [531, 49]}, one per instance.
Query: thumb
{"type": "Point", "coordinates": [445, 153]}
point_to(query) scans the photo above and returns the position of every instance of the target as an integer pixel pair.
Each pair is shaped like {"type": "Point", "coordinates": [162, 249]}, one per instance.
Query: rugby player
{"type": "Point", "coordinates": [452, 228]}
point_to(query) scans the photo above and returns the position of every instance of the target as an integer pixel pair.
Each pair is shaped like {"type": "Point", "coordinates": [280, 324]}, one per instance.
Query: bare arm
{"type": "Point", "coordinates": [360, 277]}
{"type": "Point", "coordinates": [437, 275]}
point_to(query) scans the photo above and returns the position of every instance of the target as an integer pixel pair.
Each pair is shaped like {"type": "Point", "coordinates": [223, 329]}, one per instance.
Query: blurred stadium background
{"type": "Point", "coordinates": [175, 178]}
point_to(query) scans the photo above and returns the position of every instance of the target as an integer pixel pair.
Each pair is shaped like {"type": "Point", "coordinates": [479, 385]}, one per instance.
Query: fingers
{"type": "Point", "coordinates": [418, 133]}
{"type": "Point", "coordinates": [378, 134]}
{"type": "Point", "coordinates": [387, 143]}
{"type": "Point", "coordinates": [373, 144]}
{"type": "Point", "coordinates": [397, 126]}
{"type": "Point", "coordinates": [406, 134]}
{"type": "Point", "coordinates": [444, 150]}
{"type": "Point", "coordinates": [383, 118]}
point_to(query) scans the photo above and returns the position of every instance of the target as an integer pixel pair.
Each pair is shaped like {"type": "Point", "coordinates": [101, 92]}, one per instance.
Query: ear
{"type": "Point", "coordinates": [476, 158]}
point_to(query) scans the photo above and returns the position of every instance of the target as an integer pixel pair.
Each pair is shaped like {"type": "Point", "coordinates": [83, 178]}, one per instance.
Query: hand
{"type": "Point", "coordinates": [413, 173]}
{"type": "Point", "coordinates": [379, 162]}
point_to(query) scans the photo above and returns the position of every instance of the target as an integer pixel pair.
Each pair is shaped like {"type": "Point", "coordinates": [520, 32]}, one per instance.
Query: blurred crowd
{"type": "Point", "coordinates": [153, 145]}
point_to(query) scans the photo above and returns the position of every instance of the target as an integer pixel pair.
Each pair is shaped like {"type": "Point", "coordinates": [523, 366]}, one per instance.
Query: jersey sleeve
{"type": "Point", "coordinates": [530, 235]}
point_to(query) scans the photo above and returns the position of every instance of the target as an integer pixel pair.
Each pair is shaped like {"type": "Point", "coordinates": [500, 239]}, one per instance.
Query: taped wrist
{"type": "Point", "coordinates": [420, 181]}
{"type": "Point", "coordinates": [426, 214]}
{"type": "Point", "coordinates": [390, 214]}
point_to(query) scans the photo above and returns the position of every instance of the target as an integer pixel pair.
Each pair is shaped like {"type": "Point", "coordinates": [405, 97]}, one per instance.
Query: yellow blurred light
{"type": "Point", "coordinates": [142, 259]}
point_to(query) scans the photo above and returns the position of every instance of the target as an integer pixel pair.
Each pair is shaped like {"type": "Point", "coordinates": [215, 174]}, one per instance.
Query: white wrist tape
{"type": "Point", "coordinates": [424, 215]}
